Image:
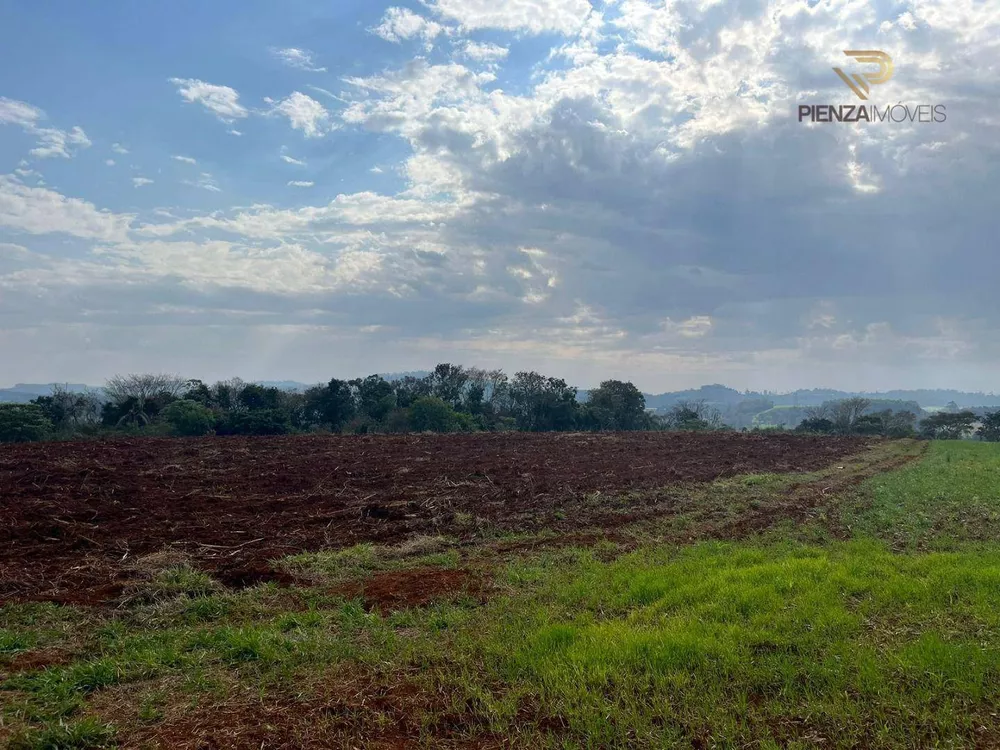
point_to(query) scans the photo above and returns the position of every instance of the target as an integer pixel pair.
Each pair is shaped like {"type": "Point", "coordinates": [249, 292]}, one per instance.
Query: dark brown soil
{"type": "Point", "coordinates": [32, 661]}
{"type": "Point", "coordinates": [342, 708]}
{"type": "Point", "coordinates": [73, 515]}
{"type": "Point", "coordinates": [417, 587]}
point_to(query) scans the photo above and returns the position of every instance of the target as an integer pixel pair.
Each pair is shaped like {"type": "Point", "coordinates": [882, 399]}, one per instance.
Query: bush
{"type": "Point", "coordinates": [23, 423]}
{"type": "Point", "coordinates": [817, 424]}
{"type": "Point", "coordinates": [188, 418]}
{"type": "Point", "coordinates": [262, 422]}
{"type": "Point", "coordinates": [398, 421]}
{"type": "Point", "coordinates": [431, 414]}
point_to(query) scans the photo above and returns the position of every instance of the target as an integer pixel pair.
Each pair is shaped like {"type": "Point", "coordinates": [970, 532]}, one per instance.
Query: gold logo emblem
{"type": "Point", "coordinates": [861, 83]}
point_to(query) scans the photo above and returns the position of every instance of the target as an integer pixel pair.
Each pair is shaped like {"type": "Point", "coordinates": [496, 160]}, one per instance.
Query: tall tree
{"type": "Point", "coordinates": [376, 397]}
{"type": "Point", "coordinates": [947, 426]}
{"type": "Point", "coordinates": [618, 405]}
{"type": "Point", "coordinates": [541, 404]}
{"type": "Point", "coordinates": [989, 429]}
{"type": "Point", "coordinates": [333, 405]}
{"type": "Point", "coordinates": [448, 383]}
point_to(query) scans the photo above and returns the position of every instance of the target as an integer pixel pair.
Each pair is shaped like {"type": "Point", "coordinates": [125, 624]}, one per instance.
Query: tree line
{"type": "Point", "coordinates": [853, 416]}
{"type": "Point", "coordinates": [452, 398]}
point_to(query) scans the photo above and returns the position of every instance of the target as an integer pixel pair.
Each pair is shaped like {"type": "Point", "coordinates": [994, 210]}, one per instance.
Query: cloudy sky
{"type": "Point", "coordinates": [591, 188]}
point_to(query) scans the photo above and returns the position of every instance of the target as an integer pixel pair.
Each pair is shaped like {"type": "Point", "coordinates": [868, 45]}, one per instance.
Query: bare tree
{"type": "Point", "coordinates": [693, 415]}
{"type": "Point", "coordinates": [132, 394]}
{"type": "Point", "coordinates": [847, 412]}
{"type": "Point", "coordinates": [823, 411]}
{"type": "Point", "coordinates": [121, 388]}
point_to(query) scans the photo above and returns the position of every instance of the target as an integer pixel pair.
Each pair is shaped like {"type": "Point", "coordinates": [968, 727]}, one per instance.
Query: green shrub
{"type": "Point", "coordinates": [188, 418]}
{"type": "Point", "coordinates": [261, 422]}
{"type": "Point", "coordinates": [430, 414]}
{"type": "Point", "coordinates": [23, 423]}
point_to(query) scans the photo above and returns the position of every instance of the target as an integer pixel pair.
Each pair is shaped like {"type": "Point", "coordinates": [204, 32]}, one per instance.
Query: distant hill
{"type": "Point", "coordinates": [22, 393]}
{"type": "Point", "coordinates": [722, 396]}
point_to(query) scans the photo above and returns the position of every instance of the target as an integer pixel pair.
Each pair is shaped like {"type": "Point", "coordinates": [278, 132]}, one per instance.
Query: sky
{"type": "Point", "coordinates": [592, 189]}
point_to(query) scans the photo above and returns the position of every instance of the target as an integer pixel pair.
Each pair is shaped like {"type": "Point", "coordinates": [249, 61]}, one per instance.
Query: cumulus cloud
{"type": "Point", "coordinates": [55, 142]}
{"type": "Point", "coordinates": [141, 181]}
{"type": "Point", "coordinates": [184, 159]}
{"type": "Point", "coordinates": [52, 142]}
{"type": "Point", "coordinates": [533, 16]}
{"type": "Point", "coordinates": [644, 205]}
{"type": "Point", "coordinates": [301, 59]}
{"type": "Point", "coordinates": [304, 113]}
{"type": "Point", "coordinates": [222, 101]}
{"type": "Point", "coordinates": [400, 24]}
{"type": "Point", "coordinates": [38, 210]}
{"type": "Point", "coordinates": [484, 52]}
{"type": "Point", "coordinates": [13, 112]}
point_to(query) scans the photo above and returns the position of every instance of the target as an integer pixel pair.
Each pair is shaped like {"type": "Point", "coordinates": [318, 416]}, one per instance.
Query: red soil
{"type": "Point", "coordinates": [394, 590]}
{"type": "Point", "coordinates": [74, 515]}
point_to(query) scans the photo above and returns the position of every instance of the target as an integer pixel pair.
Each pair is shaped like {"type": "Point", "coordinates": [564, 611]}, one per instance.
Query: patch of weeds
{"type": "Point", "coordinates": [12, 643]}
{"type": "Point", "coordinates": [206, 609]}
{"type": "Point", "coordinates": [359, 561]}
{"type": "Point", "coordinates": [246, 644]}
{"type": "Point", "coordinates": [84, 734]}
{"type": "Point", "coordinates": [151, 709]}
{"type": "Point", "coordinates": [172, 583]}
{"type": "Point", "coordinates": [299, 621]}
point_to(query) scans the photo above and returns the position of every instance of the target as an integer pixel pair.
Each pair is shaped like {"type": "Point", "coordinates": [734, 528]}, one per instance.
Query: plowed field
{"type": "Point", "coordinates": [73, 514]}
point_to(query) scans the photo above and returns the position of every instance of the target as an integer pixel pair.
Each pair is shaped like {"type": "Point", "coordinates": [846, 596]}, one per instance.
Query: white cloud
{"type": "Point", "coordinates": [400, 24]}
{"type": "Point", "coordinates": [301, 183]}
{"type": "Point", "coordinates": [184, 159]}
{"type": "Point", "coordinates": [222, 101]}
{"type": "Point", "coordinates": [304, 113]}
{"type": "Point", "coordinates": [141, 181]}
{"type": "Point", "coordinates": [636, 207]}
{"type": "Point", "coordinates": [534, 16]}
{"type": "Point", "coordinates": [51, 141]}
{"type": "Point", "coordinates": [376, 170]}
{"type": "Point", "coordinates": [234, 131]}
{"type": "Point", "coordinates": [119, 148]}
{"type": "Point", "coordinates": [42, 211]}
{"type": "Point", "coordinates": [13, 112]}
{"type": "Point", "coordinates": [694, 327]}
{"type": "Point", "coordinates": [291, 160]}
{"type": "Point", "coordinates": [55, 142]}
{"type": "Point", "coordinates": [205, 181]}
{"type": "Point", "coordinates": [297, 58]}
{"type": "Point", "coordinates": [110, 162]}
{"type": "Point", "coordinates": [484, 52]}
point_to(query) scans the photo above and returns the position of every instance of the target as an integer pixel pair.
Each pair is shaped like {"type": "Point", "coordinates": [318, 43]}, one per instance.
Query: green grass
{"type": "Point", "coordinates": [888, 636]}
{"type": "Point", "coordinates": [82, 735]}
{"type": "Point", "coordinates": [949, 498]}
{"type": "Point", "coordinates": [742, 642]}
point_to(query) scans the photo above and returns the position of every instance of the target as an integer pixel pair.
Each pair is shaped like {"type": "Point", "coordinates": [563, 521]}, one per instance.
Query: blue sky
{"type": "Point", "coordinates": [614, 188]}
